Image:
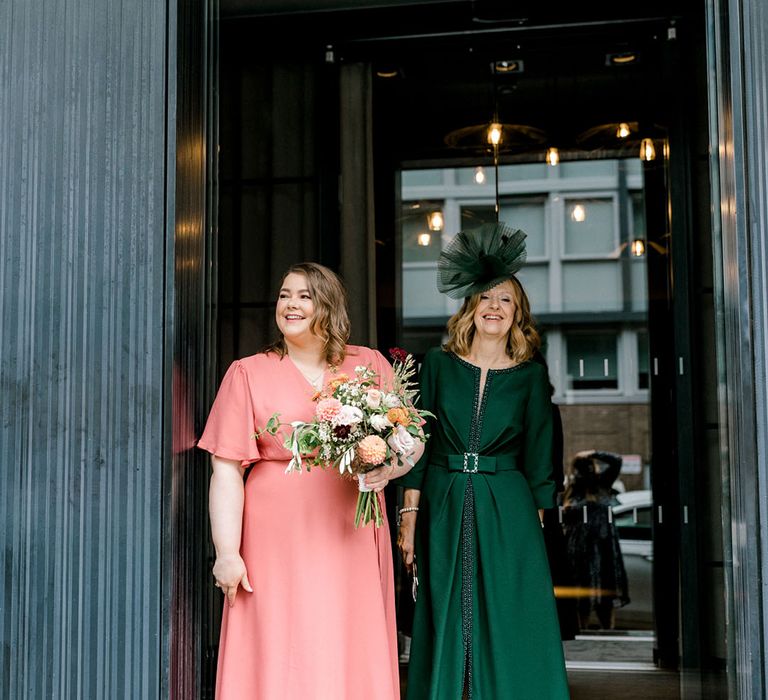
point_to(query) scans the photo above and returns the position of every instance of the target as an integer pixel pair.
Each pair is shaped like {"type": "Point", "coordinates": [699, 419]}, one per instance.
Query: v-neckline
{"type": "Point", "coordinates": [481, 388]}
{"type": "Point", "coordinates": [304, 377]}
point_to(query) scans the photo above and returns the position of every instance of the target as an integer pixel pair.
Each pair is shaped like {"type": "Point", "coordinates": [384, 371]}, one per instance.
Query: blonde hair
{"type": "Point", "coordinates": [523, 339]}
{"type": "Point", "coordinates": [331, 319]}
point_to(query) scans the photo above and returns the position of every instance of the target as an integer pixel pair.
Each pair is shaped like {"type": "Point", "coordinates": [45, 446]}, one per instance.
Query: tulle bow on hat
{"type": "Point", "coordinates": [480, 258]}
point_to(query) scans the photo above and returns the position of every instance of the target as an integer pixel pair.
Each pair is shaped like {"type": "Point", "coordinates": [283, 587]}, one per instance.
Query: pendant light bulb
{"type": "Point", "coordinates": [647, 150]}
{"type": "Point", "coordinates": [553, 156]}
{"type": "Point", "coordinates": [638, 247]}
{"type": "Point", "coordinates": [479, 175]}
{"type": "Point", "coordinates": [579, 213]}
{"type": "Point", "coordinates": [494, 134]}
{"type": "Point", "coordinates": [436, 221]}
{"type": "Point", "coordinates": [623, 131]}
{"type": "Point", "coordinates": [424, 239]}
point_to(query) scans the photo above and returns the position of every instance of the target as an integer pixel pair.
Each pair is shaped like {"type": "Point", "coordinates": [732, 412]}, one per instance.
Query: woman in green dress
{"type": "Point", "coordinates": [485, 624]}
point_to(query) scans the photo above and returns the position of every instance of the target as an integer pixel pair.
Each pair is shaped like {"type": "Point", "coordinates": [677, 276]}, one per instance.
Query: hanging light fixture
{"type": "Point", "coordinates": [435, 221]}
{"type": "Point", "coordinates": [623, 131]}
{"type": "Point", "coordinates": [424, 239]}
{"type": "Point", "coordinates": [647, 150]}
{"type": "Point", "coordinates": [637, 247]}
{"type": "Point", "coordinates": [579, 213]}
{"type": "Point", "coordinates": [479, 175]}
{"type": "Point", "coordinates": [553, 156]}
{"type": "Point", "coordinates": [494, 133]}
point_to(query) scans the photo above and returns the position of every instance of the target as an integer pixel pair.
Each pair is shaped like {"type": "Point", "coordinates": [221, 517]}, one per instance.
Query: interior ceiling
{"type": "Point", "coordinates": [260, 8]}
{"type": "Point", "coordinates": [442, 52]}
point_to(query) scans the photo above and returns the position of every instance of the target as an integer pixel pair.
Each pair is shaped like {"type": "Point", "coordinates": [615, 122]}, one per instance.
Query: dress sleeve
{"type": "Point", "coordinates": [537, 443]}
{"type": "Point", "coordinates": [229, 432]}
{"type": "Point", "coordinates": [427, 378]}
{"type": "Point", "coordinates": [613, 467]}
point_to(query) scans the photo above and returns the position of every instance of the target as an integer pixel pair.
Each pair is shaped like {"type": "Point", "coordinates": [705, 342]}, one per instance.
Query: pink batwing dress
{"type": "Point", "coordinates": [320, 623]}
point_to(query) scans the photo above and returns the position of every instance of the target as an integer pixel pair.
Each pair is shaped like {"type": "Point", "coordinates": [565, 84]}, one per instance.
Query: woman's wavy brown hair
{"type": "Point", "coordinates": [331, 319]}
{"type": "Point", "coordinates": [523, 339]}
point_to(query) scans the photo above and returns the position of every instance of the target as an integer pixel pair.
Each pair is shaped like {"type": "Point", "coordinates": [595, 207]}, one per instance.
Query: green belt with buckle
{"type": "Point", "coordinates": [473, 463]}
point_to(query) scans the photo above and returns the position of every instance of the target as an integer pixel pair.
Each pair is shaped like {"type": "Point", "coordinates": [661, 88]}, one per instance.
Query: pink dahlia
{"type": "Point", "coordinates": [372, 450]}
{"type": "Point", "coordinates": [328, 409]}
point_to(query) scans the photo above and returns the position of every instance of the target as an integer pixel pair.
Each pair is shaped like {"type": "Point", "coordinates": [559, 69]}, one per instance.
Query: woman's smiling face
{"type": "Point", "coordinates": [495, 311]}
{"type": "Point", "coordinates": [295, 309]}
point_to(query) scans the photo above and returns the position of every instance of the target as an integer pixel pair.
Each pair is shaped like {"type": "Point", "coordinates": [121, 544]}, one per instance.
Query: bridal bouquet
{"type": "Point", "coordinates": [359, 425]}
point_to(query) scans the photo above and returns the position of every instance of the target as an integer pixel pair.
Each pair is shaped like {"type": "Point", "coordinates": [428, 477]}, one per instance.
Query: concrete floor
{"type": "Point", "coordinates": [627, 685]}
{"type": "Point", "coordinates": [620, 665]}
{"type": "Point", "coordinates": [609, 685]}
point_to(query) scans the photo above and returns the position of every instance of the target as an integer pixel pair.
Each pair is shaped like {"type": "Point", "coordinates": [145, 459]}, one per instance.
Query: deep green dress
{"type": "Point", "coordinates": [485, 608]}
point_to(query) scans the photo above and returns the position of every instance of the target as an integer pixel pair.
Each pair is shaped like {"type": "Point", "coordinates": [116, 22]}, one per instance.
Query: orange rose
{"type": "Point", "coordinates": [399, 416]}
{"type": "Point", "coordinates": [337, 381]}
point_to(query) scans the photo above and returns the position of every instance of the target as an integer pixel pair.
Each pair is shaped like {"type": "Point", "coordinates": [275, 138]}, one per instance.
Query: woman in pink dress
{"type": "Point", "coordinates": [310, 599]}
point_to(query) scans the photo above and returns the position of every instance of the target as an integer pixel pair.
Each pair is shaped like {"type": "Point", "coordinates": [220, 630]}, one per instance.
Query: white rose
{"type": "Point", "coordinates": [348, 415]}
{"type": "Point", "coordinates": [391, 401]}
{"type": "Point", "coordinates": [401, 441]}
{"type": "Point", "coordinates": [380, 422]}
{"type": "Point", "coordinates": [373, 398]}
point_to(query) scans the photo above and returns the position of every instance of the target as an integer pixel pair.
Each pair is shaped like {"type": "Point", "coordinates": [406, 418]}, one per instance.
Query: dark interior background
{"type": "Point", "coordinates": [280, 141]}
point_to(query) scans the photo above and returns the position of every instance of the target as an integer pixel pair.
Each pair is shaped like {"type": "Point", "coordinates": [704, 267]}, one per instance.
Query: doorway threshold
{"type": "Point", "coordinates": [631, 666]}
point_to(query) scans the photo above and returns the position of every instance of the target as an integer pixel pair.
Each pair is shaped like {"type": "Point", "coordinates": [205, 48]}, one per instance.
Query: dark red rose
{"type": "Point", "coordinates": [341, 431]}
{"type": "Point", "coordinates": [398, 354]}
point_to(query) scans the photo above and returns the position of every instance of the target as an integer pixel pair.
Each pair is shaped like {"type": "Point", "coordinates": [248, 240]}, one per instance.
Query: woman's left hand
{"type": "Point", "coordinates": [379, 477]}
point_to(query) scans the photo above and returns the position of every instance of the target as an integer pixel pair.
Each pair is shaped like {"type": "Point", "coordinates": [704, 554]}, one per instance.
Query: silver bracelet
{"type": "Point", "coordinates": [407, 509]}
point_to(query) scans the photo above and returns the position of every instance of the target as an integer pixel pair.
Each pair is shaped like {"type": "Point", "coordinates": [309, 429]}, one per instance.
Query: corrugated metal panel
{"type": "Point", "coordinates": [82, 219]}
{"type": "Point", "coordinates": [754, 54]}
{"type": "Point", "coordinates": [738, 59]}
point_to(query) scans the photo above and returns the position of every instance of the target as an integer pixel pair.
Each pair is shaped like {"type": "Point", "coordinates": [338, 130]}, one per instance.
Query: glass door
{"type": "Point", "coordinates": [587, 279]}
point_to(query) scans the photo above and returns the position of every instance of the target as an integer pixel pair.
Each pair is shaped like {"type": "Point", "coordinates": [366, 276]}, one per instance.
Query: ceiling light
{"type": "Point", "coordinates": [638, 247]}
{"type": "Point", "coordinates": [424, 239]}
{"type": "Point", "coordinates": [553, 156]}
{"type": "Point", "coordinates": [579, 213]}
{"type": "Point", "coordinates": [494, 134]}
{"type": "Point", "coordinates": [480, 175]}
{"type": "Point", "coordinates": [623, 131]}
{"type": "Point", "coordinates": [387, 70]}
{"type": "Point", "coordinates": [624, 58]}
{"type": "Point", "coordinates": [435, 221]}
{"type": "Point", "coordinates": [647, 150]}
{"type": "Point", "coordinates": [510, 66]}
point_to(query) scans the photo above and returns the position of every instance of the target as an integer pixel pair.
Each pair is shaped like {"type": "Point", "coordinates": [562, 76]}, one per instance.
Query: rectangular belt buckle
{"type": "Point", "coordinates": [473, 469]}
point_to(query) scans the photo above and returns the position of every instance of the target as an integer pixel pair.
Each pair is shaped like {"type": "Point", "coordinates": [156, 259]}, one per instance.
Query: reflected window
{"type": "Point", "coordinates": [643, 361]}
{"type": "Point", "coordinates": [592, 286]}
{"type": "Point", "coordinates": [637, 204]}
{"type": "Point", "coordinates": [524, 171]}
{"type": "Point", "coordinates": [592, 361]}
{"type": "Point", "coordinates": [588, 168]}
{"type": "Point", "coordinates": [590, 226]}
{"type": "Point", "coordinates": [421, 242]}
{"type": "Point", "coordinates": [422, 178]}
{"type": "Point", "coordinates": [474, 215]}
{"type": "Point", "coordinates": [527, 213]}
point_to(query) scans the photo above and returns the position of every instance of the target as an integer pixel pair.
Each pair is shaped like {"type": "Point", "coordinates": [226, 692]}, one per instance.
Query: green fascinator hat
{"type": "Point", "coordinates": [480, 258]}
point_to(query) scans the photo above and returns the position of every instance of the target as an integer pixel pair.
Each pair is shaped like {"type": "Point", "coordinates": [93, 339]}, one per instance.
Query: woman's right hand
{"type": "Point", "coordinates": [229, 572]}
{"type": "Point", "coordinates": [406, 537]}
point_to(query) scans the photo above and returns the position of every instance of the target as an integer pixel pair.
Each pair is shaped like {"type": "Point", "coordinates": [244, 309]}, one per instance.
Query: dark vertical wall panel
{"type": "Point", "coordinates": [192, 215]}
{"type": "Point", "coordinates": [274, 189]}
{"type": "Point", "coordinates": [82, 221]}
